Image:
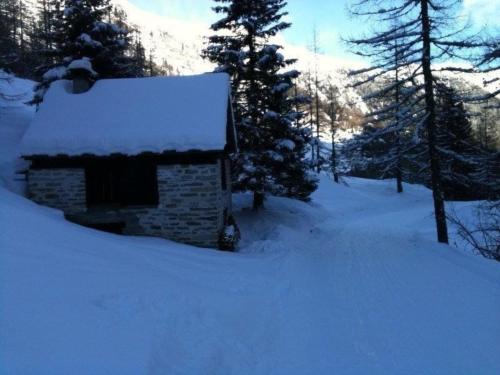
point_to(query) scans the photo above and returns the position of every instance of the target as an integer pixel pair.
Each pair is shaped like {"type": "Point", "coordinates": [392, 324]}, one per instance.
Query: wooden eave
{"type": "Point", "coordinates": [164, 158]}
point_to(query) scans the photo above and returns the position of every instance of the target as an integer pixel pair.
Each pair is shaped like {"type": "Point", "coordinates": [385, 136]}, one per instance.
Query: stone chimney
{"type": "Point", "coordinates": [81, 81]}
{"type": "Point", "coordinates": [82, 74]}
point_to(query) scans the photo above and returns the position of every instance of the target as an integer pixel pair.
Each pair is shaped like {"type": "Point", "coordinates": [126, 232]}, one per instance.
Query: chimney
{"type": "Point", "coordinates": [82, 74]}
{"type": "Point", "coordinates": [81, 82]}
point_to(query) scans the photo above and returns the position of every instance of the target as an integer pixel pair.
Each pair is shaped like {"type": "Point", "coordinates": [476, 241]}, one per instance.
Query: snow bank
{"type": "Point", "coordinates": [14, 92]}
{"type": "Point", "coordinates": [350, 284]}
{"type": "Point", "coordinates": [15, 117]}
{"type": "Point", "coordinates": [77, 301]}
{"type": "Point", "coordinates": [132, 116]}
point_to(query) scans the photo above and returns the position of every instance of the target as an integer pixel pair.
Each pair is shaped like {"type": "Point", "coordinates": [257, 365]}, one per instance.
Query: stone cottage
{"type": "Point", "coordinates": [141, 156]}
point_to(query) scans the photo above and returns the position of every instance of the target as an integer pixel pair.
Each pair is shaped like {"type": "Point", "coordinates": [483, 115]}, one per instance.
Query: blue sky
{"type": "Point", "coordinates": [330, 17]}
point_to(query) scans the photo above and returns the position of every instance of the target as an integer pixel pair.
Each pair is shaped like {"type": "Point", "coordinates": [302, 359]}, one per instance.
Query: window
{"type": "Point", "coordinates": [121, 183]}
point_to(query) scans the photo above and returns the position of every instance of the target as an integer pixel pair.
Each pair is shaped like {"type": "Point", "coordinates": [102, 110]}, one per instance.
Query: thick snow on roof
{"type": "Point", "coordinates": [131, 116]}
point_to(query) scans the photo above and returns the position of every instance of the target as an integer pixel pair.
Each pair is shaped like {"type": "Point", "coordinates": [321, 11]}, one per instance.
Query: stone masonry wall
{"type": "Point", "coordinates": [227, 195]}
{"type": "Point", "coordinates": [62, 188]}
{"type": "Point", "coordinates": [190, 210]}
{"type": "Point", "coordinates": [191, 204]}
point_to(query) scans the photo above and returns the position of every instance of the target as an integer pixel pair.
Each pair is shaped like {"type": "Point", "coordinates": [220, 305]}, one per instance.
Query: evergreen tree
{"type": "Point", "coordinates": [50, 17]}
{"type": "Point", "coordinates": [456, 145]}
{"type": "Point", "coordinates": [16, 22]}
{"type": "Point", "coordinates": [487, 175]}
{"type": "Point", "coordinates": [84, 29]}
{"type": "Point", "coordinates": [138, 54]}
{"type": "Point", "coordinates": [87, 31]}
{"type": "Point", "coordinates": [263, 109]}
{"type": "Point", "coordinates": [7, 40]}
{"type": "Point", "coordinates": [133, 59]}
{"type": "Point", "coordinates": [285, 146]}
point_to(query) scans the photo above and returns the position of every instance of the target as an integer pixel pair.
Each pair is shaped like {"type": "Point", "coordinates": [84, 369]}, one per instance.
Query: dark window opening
{"type": "Point", "coordinates": [121, 183]}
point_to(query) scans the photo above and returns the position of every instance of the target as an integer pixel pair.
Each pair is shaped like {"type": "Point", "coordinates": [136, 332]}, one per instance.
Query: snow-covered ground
{"type": "Point", "coordinates": [14, 119]}
{"type": "Point", "coordinates": [352, 283]}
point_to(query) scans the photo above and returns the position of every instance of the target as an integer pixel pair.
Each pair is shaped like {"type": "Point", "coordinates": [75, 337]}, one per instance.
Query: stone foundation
{"type": "Point", "coordinates": [191, 207]}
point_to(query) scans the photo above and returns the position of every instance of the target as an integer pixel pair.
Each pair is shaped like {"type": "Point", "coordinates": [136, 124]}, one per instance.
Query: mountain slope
{"type": "Point", "coordinates": [174, 42]}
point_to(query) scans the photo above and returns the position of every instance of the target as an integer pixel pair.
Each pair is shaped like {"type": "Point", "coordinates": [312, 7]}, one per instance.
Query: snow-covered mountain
{"type": "Point", "coordinates": [180, 43]}
{"type": "Point", "coordinates": [172, 41]}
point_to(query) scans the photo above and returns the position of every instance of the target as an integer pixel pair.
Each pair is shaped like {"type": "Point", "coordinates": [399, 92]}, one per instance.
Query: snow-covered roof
{"type": "Point", "coordinates": [131, 116]}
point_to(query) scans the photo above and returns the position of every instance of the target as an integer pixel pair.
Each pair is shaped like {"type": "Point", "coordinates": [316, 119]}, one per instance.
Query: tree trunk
{"type": "Point", "coordinates": [399, 175]}
{"type": "Point", "coordinates": [399, 181]}
{"type": "Point", "coordinates": [439, 210]}
{"type": "Point", "coordinates": [311, 119]}
{"type": "Point", "coordinates": [332, 131]}
{"type": "Point", "coordinates": [334, 161]}
{"type": "Point", "coordinates": [318, 155]}
{"type": "Point", "coordinates": [316, 98]}
{"type": "Point", "coordinates": [297, 109]}
{"type": "Point", "coordinates": [258, 200]}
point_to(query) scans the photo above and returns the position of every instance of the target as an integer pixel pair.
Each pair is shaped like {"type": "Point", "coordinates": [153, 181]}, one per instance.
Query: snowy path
{"type": "Point", "coordinates": [352, 283]}
{"type": "Point", "coordinates": [369, 293]}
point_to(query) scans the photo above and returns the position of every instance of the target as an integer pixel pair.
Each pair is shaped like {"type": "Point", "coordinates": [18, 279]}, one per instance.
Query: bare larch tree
{"type": "Point", "coordinates": [424, 33]}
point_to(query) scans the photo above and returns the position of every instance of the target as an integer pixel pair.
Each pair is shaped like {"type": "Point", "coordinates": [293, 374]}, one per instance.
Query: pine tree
{"type": "Point", "coordinates": [133, 56]}
{"type": "Point", "coordinates": [138, 53]}
{"type": "Point", "coordinates": [15, 30]}
{"type": "Point", "coordinates": [242, 51]}
{"type": "Point", "coordinates": [487, 175]}
{"type": "Point", "coordinates": [50, 17]}
{"type": "Point", "coordinates": [285, 145]}
{"type": "Point", "coordinates": [85, 29]}
{"type": "Point", "coordinates": [456, 145]}
{"type": "Point", "coordinates": [8, 44]}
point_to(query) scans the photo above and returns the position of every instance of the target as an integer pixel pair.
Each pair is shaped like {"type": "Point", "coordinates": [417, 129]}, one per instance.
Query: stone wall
{"type": "Point", "coordinates": [62, 188]}
{"type": "Point", "coordinates": [190, 210]}
{"type": "Point", "coordinates": [227, 195]}
{"type": "Point", "coordinates": [191, 204]}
